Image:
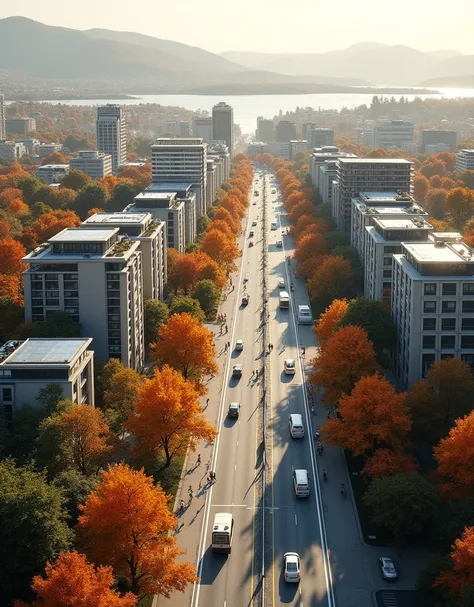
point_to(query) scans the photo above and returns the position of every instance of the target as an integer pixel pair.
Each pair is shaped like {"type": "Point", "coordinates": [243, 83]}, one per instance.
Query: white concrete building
{"type": "Point", "coordinates": [384, 240]}
{"type": "Point", "coordinates": [3, 132]}
{"type": "Point", "coordinates": [11, 150]}
{"type": "Point", "coordinates": [320, 137]}
{"type": "Point", "coordinates": [45, 149]}
{"type": "Point", "coordinates": [151, 234]}
{"type": "Point", "coordinates": [31, 144]}
{"type": "Point", "coordinates": [181, 161]}
{"type": "Point", "coordinates": [26, 367]}
{"type": "Point", "coordinates": [256, 147]}
{"type": "Point", "coordinates": [96, 276]}
{"type": "Point", "coordinates": [279, 148]}
{"type": "Point", "coordinates": [327, 176]}
{"type": "Point", "coordinates": [393, 135]}
{"type": "Point", "coordinates": [438, 137]}
{"type": "Point", "coordinates": [220, 153]}
{"type": "Point", "coordinates": [465, 161]}
{"type": "Point", "coordinates": [202, 129]}
{"type": "Point", "coordinates": [357, 175]}
{"type": "Point", "coordinates": [432, 305]}
{"type": "Point", "coordinates": [111, 134]}
{"type": "Point", "coordinates": [319, 156]}
{"type": "Point", "coordinates": [95, 164]}
{"type": "Point", "coordinates": [297, 145]}
{"type": "Point", "coordinates": [223, 125]}
{"type": "Point", "coordinates": [52, 173]}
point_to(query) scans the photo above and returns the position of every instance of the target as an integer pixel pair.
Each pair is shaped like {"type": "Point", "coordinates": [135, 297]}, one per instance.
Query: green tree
{"type": "Point", "coordinates": [92, 196]}
{"type": "Point", "coordinates": [426, 593]}
{"type": "Point", "coordinates": [349, 253]}
{"type": "Point", "coordinates": [155, 313]}
{"type": "Point", "coordinates": [336, 239]}
{"type": "Point", "coordinates": [202, 224]}
{"type": "Point", "coordinates": [49, 397]}
{"type": "Point", "coordinates": [75, 143]}
{"type": "Point", "coordinates": [28, 185]}
{"type": "Point", "coordinates": [404, 505]}
{"type": "Point", "coordinates": [33, 530]}
{"type": "Point", "coordinates": [59, 324]}
{"type": "Point", "coordinates": [207, 294]}
{"type": "Point", "coordinates": [39, 208]}
{"type": "Point", "coordinates": [192, 247]}
{"type": "Point", "coordinates": [123, 195]}
{"type": "Point", "coordinates": [75, 180]}
{"type": "Point", "coordinates": [12, 315]}
{"type": "Point", "coordinates": [192, 306]}
{"type": "Point", "coordinates": [23, 430]}
{"type": "Point", "coordinates": [75, 488]}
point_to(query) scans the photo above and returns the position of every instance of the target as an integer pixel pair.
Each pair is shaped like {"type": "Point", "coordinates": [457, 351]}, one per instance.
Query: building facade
{"type": "Point", "coordinates": [327, 176]}
{"type": "Point", "coordinates": [297, 145]}
{"type": "Point", "coordinates": [285, 131]}
{"type": "Point", "coordinates": [96, 276]}
{"type": "Point", "coordinates": [52, 173]}
{"type": "Point", "coordinates": [465, 161]}
{"type": "Point", "coordinates": [12, 150]}
{"type": "Point", "coordinates": [20, 126]}
{"type": "Point", "coordinates": [45, 149]}
{"type": "Point", "coordinates": [111, 134]}
{"type": "Point", "coordinates": [256, 147]}
{"type": "Point", "coordinates": [223, 125]}
{"type": "Point", "coordinates": [3, 132]}
{"type": "Point", "coordinates": [437, 137]}
{"type": "Point", "coordinates": [95, 164]}
{"type": "Point", "coordinates": [265, 130]}
{"type": "Point", "coordinates": [432, 305]}
{"type": "Point", "coordinates": [396, 134]}
{"type": "Point", "coordinates": [319, 156]}
{"type": "Point", "coordinates": [320, 137]}
{"type": "Point", "coordinates": [202, 129]}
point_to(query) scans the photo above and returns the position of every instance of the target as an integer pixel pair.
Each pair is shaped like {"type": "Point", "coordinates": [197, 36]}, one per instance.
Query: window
{"type": "Point", "coordinates": [429, 324]}
{"type": "Point", "coordinates": [427, 361]}
{"type": "Point", "coordinates": [448, 342]}
{"type": "Point", "coordinates": [387, 273]}
{"type": "Point", "coordinates": [430, 307]}
{"type": "Point", "coordinates": [468, 307]}
{"type": "Point", "coordinates": [448, 324]}
{"type": "Point", "coordinates": [449, 288]}
{"type": "Point", "coordinates": [468, 324]}
{"type": "Point", "coordinates": [387, 261]}
{"type": "Point", "coordinates": [468, 288]}
{"type": "Point", "coordinates": [430, 288]}
{"type": "Point", "coordinates": [429, 341]}
{"type": "Point", "coordinates": [467, 342]}
{"type": "Point", "coordinates": [448, 306]}
{"type": "Point", "coordinates": [7, 395]}
{"type": "Point", "coordinates": [468, 358]}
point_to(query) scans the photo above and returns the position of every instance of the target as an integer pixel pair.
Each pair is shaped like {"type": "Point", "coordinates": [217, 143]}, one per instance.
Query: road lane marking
{"type": "Point", "coordinates": [296, 519]}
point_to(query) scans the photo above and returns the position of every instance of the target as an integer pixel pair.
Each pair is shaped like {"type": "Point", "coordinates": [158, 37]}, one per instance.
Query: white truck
{"type": "Point", "coordinates": [304, 315]}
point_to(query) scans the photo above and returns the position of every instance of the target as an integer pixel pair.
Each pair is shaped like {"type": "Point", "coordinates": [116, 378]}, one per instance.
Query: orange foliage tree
{"type": "Point", "coordinates": [72, 582]}
{"type": "Point", "coordinates": [187, 346]}
{"type": "Point", "coordinates": [126, 523]}
{"type": "Point", "coordinates": [11, 287]}
{"type": "Point", "coordinates": [184, 273]}
{"type": "Point", "coordinates": [385, 462]}
{"type": "Point", "coordinates": [462, 558]}
{"type": "Point", "coordinates": [225, 215]}
{"type": "Point", "coordinates": [168, 417]}
{"type": "Point", "coordinates": [332, 279]}
{"type": "Point", "coordinates": [309, 248]}
{"type": "Point", "coordinates": [459, 205]}
{"type": "Point", "coordinates": [220, 248]}
{"type": "Point", "coordinates": [213, 271]}
{"type": "Point", "coordinates": [11, 254]}
{"type": "Point", "coordinates": [421, 185]}
{"type": "Point", "coordinates": [300, 209]}
{"type": "Point", "coordinates": [328, 321]}
{"type": "Point", "coordinates": [347, 357]}
{"type": "Point", "coordinates": [49, 224]}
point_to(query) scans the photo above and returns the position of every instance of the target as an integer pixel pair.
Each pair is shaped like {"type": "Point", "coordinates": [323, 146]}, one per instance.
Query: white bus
{"type": "Point", "coordinates": [222, 532]}
{"type": "Point", "coordinates": [284, 299]}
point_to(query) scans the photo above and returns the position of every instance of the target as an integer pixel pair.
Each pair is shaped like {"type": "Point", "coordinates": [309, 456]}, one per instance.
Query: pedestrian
{"type": "Point", "coordinates": [207, 402]}
{"type": "Point", "coordinates": [225, 347]}
{"type": "Point", "coordinates": [231, 282]}
{"type": "Point", "coordinates": [303, 351]}
{"type": "Point", "coordinates": [328, 413]}
{"type": "Point", "coordinates": [190, 492]}
{"type": "Point", "coordinates": [226, 329]}
{"type": "Point", "coordinates": [228, 345]}
{"type": "Point", "coordinates": [199, 459]}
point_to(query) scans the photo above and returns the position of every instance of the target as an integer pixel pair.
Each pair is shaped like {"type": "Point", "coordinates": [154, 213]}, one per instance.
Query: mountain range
{"type": "Point", "coordinates": [128, 62]}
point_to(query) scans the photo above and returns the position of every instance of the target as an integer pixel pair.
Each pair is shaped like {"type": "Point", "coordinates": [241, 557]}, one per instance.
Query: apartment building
{"type": "Point", "coordinates": [279, 148]}
{"type": "Point", "coordinates": [52, 173]}
{"type": "Point", "coordinates": [297, 145]}
{"type": "Point", "coordinates": [45, 149]}
{"type": "Point", "coordinates": [306, 128]}
{"type": "Point", "coordinates": [202, 129]}
{"type": "Point", "coordinates": [26, 367]}
{"type": "Point", "coordinates": [319, 156]}
{"type": "Point", "coordinates": [432, 305]}
{"type": "Point", "coordinates": [396, 134]}
{"type": "Point", "coordinates": [95, 164]}
{"type": "Point", "coordinates": [465, 161]}
{"type": "Point", "coordinates": [320, 137]}
{"type": "Point", "coordinates": [20, 126]}
{"type": "Point", "coordinates": [111, 134]}
{"type": "Point", "coordinates": [12, 150]}
{"type": "Point", "coordinates": [265, 130]}
{"type": "Point", "coordinates": [220, 153]}
{"type": "Point", "coordinates": [384, 240]}
{"type": "Point", "coordinates": [257, 147]}
{"type": "Point", "coordinates": [285, 131]}
{"type": "Point", "coordinates": [96, 276]}
{"type": "Point", "coordinates": [181, 161]}
{"type": "Point", "coordinates": [357, 175]}
{"type": "Point", "coordinates": [327, 176]}
{"type": "Point", "coordinates": [223, 125]}
{"type": "Point", "coordinates": [437, 137]}
{"type": "Point", "coordinates": [3, 132]}
{"type": "Point", "coordinates": [151, 234]}
{"type": "Point", "coordinates": [368, 206]}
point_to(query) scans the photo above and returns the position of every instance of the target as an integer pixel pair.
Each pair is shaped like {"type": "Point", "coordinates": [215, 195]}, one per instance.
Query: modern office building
{"type": "Point", "coordinates": [327, 176]}
{"type": "Point", "coordinates": [151, 234]}
{"type": "Point", "coordinates": [384, 240]}
{"type": "Point", "coordinates": [306, 128]}
{"type": "Point", "coordinates": [31, 144]}
{"type": "Point", "coordinates": [184, 129]}
{"type": "Point", "coordinates": [45, 149]}
{"type": "Point", "coordinates": [96, 276]}
{"type": "Point", "coordinates": [111, 134]}
{"type": "Point", "coordinates": [265, 130]}
{"type": "Point", "coordinates": [220, 153]}
{"type": "Point", "coordinates": [438, 137]}
{"type": "Point", "coordinates": [297, 145]}
{"type": "Point", "coordinates": [52, 173]}
{"type": "Point", "coordinates": [396, 134]}
{"type": "Point", "coordinates": [20, 126]}
{"type": "Point", "coordinates": [279, 148]}
{"type": "Point", "coordinates": [465, 161]}
{"type": "Point", "coordinates": [368, 206]}
{"type": "Point", "coordinates": [3, 132]}
{"type": "Point", "coordinates": [319, 156]}
{"type": "Point", "coordinates": [257, 147]}
{"type": "Point", "coordinates": [223, 125]}
{"type": "Point", "coordinates": [432, 305]}
{"type": "Point", "coordinates": [320, 137]}
{"type": "Point", "coordinates": [181, 161]}
{"type": "Point", "coordinates": [95, 164]}
{"type": "Point", "coordinates": [285, 131]}
{"type": "Point", "coordinates": [357, 175]}
{"type": "Point", "coordinates": [202, 129]}
{"type": "Point", "coordinates": [163, 206]}
{"type": "Point", "coordinates": [26, 367]}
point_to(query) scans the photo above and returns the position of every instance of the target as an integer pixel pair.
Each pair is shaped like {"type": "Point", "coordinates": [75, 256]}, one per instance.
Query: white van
{"type": "Point", "coordinates": [304, 315]}
{"type": "Point", "coordinates": [284, 299]}
{"type": "Point", "coordinates": [296, 425]}
{"type": "Point", "coordinates": [301, 483]}
{"type": "Point", "coordinates": [274, 225]}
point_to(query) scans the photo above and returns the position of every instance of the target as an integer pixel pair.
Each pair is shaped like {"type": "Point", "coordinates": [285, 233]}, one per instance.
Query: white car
{"type": "Point", "coordinates": [281, 283]}
{"type": "Point", "coordinates": [239, 344]}
{"type": "Point", "coordinates": [387, 568]}
{"type": "Point", "coordinates": [289, 366]}
{"type": "Point", "coordinates": [291, 567]}
{"type": "Point", "coordinates": [254, 222]}
{"type": "Point", "coordinates": [279, 244]}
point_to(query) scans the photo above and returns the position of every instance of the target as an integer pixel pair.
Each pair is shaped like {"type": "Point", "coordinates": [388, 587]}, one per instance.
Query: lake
{"type": "Point", "coordinates": [248, 107]}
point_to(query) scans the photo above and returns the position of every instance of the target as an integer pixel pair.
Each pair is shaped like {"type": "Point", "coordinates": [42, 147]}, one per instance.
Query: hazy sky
{"type": "Point", "coordinates": [268, 25]}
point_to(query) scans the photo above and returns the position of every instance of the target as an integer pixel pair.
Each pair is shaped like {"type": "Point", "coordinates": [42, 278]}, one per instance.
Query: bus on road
{"type": "Point", "coordinates": [284, 299]}
{"type": "Point", "coordinates": [222, 532]}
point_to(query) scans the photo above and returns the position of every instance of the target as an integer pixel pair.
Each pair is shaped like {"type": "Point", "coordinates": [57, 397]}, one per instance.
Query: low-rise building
{"type": "Point", "coordinates": [320, 137]}
{"type": "Point", "coordinates": [52, 173]}
{"type": "Point", "coordinates": [20, 126]}
{"type": "Point", "coordinates": [45, 149]}
{"type": "Point", "coordinates": [465, 161]}
{"type": "Point", "coordinates": [12, 150]}
{"type": "Point", "coordinates": [95, 164]}
{"type": "Point", "coordinates": [432, 305]}
{"type": "Point", "coordinates": [31, 144]}
{"type": "Point", "coordinates": [26, 367]}
{"type": "Point", "coordinates": [438, 137]}
{"type": "Point", "coordinates": [279, 148]}
{"type": "Point", "coordinates": [396, 134]}
{"type": "Point", "coordinates": [256, 147]}
{"type": "Point", "coordinates": [297, 145]}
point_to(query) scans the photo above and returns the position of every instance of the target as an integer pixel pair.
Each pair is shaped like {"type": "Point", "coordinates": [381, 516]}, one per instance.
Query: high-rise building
{"type": "Point", "coordinates": [327, 176]}
{"type": "Point", "coordinates": [319, 156]}
{"type": "Point", "coordinates": [184, 129]}
{"type": "Point", "coordinates": [20, 126]}
{"type": "Point", "coordinates": [202, 129]}
{"type": "Point", "coordinates": [223, 125]}
{"type": "Point", "coordinates": [265, 130]}
{"type": "Point", "coordinates": [96, 276]}
{"type": "Point", "coordinates": [465, 161]}
{"type": "Point", "coordinates": [285, 131]}
{"type": "Point", "coordinates": [306, 128]}
{"type": "Point", "coordinates": [256, 147]}
{"type": "Point", "coordinates": [396, 134]}
{"type": "Point", "coordinates": [181, 161]}
{"type": "Point", "coordinates": [112, 134]}
{"type": "Point", "coordinates": [432, 305]}
{"type": "Point", "coordinates": [95, 164]}
{"type": "Point", "coordinates": [320, 137]}
{"type": "Point", "coordinates": [3, 132]}
{"type": "Point", "coordinates": [357, 175]}
{"type": "Point", "coordinates": [437, 137]}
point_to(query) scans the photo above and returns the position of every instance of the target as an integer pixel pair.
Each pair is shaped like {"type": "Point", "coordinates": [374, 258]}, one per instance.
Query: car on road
{"type": "Point", "coordinates": [281, 283]}
{"type": "Point", "coordinates": [387, 569]}
{"type": "Point", "coordinates": [251, 233]}
{"type": "Point", "coordinates": [274, 191]}
{"type": "Point", "coordinates": [291, 567]}
{"type": "Point", "coordinates": [239, 344]}
{"type": "Point", "coordinates": [254, 222]}
{"type": "Point", "coordinates": [250, 243]}
{"type": "Point", "coordinates": [237, 371]}
{"type": "Point", "coordinates": [234, 410]}
{"type": "Point", "coordinates": [245, 299]}
{"type": "Point", "coordinates": [289, 366]}
{"type": "Point", "coordinates": [279, 244]}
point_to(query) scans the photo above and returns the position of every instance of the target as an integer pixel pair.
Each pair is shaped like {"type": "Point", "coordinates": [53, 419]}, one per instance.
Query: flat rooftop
{"type": "Point", "coordinates": [83, 235]}
{"type": "Point", "coordinates": [168, 186]}
{"type": "Point", "coordinates": [375, 161]}
{"type": "Point", "coordinates": [426, 252]}
{"type": "Point", "coordinates": [155, 196]}
{"type": "Point", "coordinates": [122, 218]}
{"type": "Point", "coordinates": [404, 224]}
{"type": "Point", "coordinates": [53, 167]}
{"type": "Point", "coordinates": [47, 351]}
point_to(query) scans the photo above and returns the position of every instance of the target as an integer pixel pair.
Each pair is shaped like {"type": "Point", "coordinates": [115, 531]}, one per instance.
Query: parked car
{"type": "Point", "coordinates": [279, 244]}
{"type": "Point", "coordinates": [388, 569]}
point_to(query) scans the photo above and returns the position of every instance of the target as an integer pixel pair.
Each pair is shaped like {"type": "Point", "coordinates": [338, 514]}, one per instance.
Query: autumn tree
{"type": "Point", "coordinates": [436, 203]}
{"type": "Point", "coordinates": [385, 462]}
{"type": "Point", "coordinates": [126, 523]}
{"type": "Point", "coordinates": [461, 575]}
{"type": "Point", "coordinates": [347, 357]}
{"type": "Point", "coordinates": [332, 279]}
{"type": "Point", "coordinates": [121, 396]}
{"type": "Point", "coordinates": [187, 346]}
{"type": "Point", "coordinates": [11, 254]}
{"type": "Point", "coordinates": [310, 247]}
{"type": "Point", "coordinates": [300, 209]}
{"type": "Point", "coordinates": [75, 180]}
{"type": "Point", "coordinates": [168, 418]}
{"type": "Point", "coordinates": [213, 271]}
{"type": "Point", "coordinates": [328, 321]}
{"type": "Point", "coordinates": [459, 205]}
{"type": "Point", "coordinates": [421, 185]}
{"type": "Point", "coordinates": [71, 581]}
{"type": "Point", "coordinates": [207, 294]}
{"type": "Point", "coordinates": [220, 248]}
{"type": "Point", "coordinates": [184, 273]}
{"type": "Point", "coordinates": [48, 225]}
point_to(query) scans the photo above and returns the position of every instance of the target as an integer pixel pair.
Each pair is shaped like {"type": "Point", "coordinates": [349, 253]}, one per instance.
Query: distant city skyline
{"type": "Point", "coordinates": [245, 26]}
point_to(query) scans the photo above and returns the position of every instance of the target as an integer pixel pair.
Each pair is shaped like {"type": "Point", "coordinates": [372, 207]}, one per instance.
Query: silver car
{"type": "Point", "coordinates": [291, 567]}
{"type": "Point", "coordinates": [387, 568]}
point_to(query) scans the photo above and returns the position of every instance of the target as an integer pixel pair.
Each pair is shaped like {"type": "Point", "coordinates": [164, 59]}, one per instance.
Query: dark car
{"type": "Point", "coordinates": [234, 410]}
{"type": "Point", "coordinates": [237, 371]}
{"type": "Point", "coordinates": [245, 300]}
